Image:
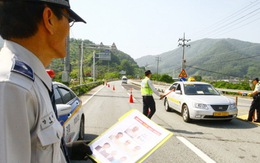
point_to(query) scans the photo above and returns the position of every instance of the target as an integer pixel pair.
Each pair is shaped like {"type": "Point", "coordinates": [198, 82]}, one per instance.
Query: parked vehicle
{"type": "Point", "coordinates": [124, 79]}
{"type": "Point", "coordinates": [199, 101]}
{"type": "Point", "coordinates": [70, 113]}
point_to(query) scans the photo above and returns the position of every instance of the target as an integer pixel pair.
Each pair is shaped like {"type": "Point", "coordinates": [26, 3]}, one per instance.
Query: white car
{"type": "Point", "coordinates": [124, 79]}
{"type": "Point", "coordinates": [199, 101]}
{"type": "Point", "coordinates": [70, 113]}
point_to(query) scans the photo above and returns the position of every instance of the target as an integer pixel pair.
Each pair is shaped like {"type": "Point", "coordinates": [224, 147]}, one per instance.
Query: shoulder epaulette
{"type": "Point", "coordinates": [23, 69]}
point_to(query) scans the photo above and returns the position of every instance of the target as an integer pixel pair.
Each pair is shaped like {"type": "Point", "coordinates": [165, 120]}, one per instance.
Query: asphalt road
{"type": "Point", "coordinates": [201, 141]}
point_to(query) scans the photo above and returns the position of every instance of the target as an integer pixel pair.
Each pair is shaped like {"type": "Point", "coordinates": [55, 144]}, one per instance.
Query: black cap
{"type": "Point", "coordinates": [66, 4]}
{"type": "Point", "coordinates": [256, 79]}
{"type": "Point", "coordinates": [147, 72]}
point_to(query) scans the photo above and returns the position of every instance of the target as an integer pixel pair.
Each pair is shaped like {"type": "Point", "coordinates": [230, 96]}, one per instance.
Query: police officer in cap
{"type": "Point", "coordinates": [147, 90]}
{"type": "Point", "coordinates": [256, 101]}
{"type": "Point", "coordinates": [34, 33]}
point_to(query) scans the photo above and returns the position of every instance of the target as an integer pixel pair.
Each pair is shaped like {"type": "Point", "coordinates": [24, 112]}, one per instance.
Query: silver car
{"type": "Point", "coordinates": [200, 101]}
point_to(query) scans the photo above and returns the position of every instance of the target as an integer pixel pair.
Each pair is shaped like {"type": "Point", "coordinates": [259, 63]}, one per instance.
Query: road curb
{"type": "Point", "coordinates": [244, 118]}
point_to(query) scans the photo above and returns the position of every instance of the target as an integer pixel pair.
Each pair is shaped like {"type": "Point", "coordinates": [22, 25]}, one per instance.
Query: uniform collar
{"type": "Point", "coordinates": [23, 54]}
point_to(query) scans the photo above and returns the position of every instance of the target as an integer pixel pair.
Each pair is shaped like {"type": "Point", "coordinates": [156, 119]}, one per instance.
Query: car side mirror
{"type": "Point", "coordinates": [178, 92]}
{"type": "Point", "coordinates": [63, 109]}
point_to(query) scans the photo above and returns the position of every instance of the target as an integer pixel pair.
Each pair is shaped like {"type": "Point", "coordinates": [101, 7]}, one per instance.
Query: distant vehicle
{"type": "Point", "coordinates": [70, 113]}
{"type": "Point", "coordinates": [199, 101]}
{"type": "Point", "coordinates": [124, 79]}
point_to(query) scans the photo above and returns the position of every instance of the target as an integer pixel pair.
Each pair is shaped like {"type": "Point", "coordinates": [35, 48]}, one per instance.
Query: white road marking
{"type": "Point", "coordinates": [92, 96]}
{"type": "Point", "coordinates": [196, 150]}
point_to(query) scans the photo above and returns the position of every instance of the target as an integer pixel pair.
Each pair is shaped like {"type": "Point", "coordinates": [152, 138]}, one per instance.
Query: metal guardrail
{"type": "Point", "coordinates": [160, 86]}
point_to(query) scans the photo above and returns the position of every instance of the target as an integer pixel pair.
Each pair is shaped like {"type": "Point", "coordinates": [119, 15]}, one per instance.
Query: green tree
{"type": "Point", "coordinates": [197, 78]}
{"type": "Point", "coordinates": [126, 66]}
{"type": "Point", "coordinates": [155, 76]}
{"type": "Point", "coordinates": [166, 78]}
{"type": "Point", "coordinates": [112, 75]}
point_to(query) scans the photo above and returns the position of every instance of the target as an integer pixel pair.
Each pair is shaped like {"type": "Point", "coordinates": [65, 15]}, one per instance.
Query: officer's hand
{"type": "Point", "coordinates": [79, 150]}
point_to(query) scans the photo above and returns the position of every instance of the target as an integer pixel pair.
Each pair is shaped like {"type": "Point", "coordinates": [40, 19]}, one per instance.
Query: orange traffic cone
{"type": "Point", "coordinates": [114, 88]}
{"type": "Point", "coordinates": [131, 97]}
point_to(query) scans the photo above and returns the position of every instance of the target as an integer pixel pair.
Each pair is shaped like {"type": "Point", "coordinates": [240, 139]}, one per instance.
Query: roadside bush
{"type": "Point", "coordinates": [244, 85]}
{"type": "Point", "coordinates": [166, 78]}
{"type": "Point", "coordinates": [82, 89]}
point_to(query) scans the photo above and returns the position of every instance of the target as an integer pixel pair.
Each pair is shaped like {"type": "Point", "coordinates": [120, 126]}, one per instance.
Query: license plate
{"type": "Point", "coordinates": [217, 114]}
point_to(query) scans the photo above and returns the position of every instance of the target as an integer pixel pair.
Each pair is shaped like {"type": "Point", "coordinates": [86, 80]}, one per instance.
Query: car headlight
{"type": "Point", "coordinates": [232, 106]}
{"type": "Point", "coordinates": [201, 106]}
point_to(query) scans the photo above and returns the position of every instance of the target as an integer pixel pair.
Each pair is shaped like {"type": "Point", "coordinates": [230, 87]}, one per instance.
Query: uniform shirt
{"type": "Point", "coordinates": [150, 85]}
{"type": "Point", "coordinates": [257, 88]}
{"type": "Point", "coordinates": [30, 131]}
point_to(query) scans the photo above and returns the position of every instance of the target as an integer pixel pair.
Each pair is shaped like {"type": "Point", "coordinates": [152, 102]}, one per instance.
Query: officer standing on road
{"type": "Point", "coordinates": [34, 33]}
{"type": "Point", "coordinates": [256, 101]}
{"type": "Point", "coordinates": [147, 90]}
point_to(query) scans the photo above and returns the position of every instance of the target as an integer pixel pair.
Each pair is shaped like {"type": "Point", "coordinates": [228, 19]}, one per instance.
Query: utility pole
{"type": "Point", "coordinates": [157, 60]}
{"type": "Point", "coordinates": [101, 56]}
{"type": "Point", "coordinates": [67, 68]}
{"type": "Point", "coordinates": [94, 66]}
{"type": "Point", "coordinates": [81, 64]}
{"type": "Point", "coordinates": [183, 42]}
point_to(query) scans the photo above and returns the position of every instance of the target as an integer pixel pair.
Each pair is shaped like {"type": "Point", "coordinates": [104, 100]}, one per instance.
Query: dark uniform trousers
{"type": "Point", "coordinates": [255, 105]}
{"type": "Point", "coordinates": [148, 102]}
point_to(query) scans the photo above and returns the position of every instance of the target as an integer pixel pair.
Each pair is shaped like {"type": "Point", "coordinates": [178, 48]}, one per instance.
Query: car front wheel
{"type": "Point", "coordinates": [166, 105]}
{"type": "Point", "coordinates": [185, 113]}
{"type": "Point", "coordinates": [81, 129]}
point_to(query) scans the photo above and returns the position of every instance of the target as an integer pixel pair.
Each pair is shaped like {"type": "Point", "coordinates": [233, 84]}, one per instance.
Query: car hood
{"type": "Point", "coordinates": [212, 100]}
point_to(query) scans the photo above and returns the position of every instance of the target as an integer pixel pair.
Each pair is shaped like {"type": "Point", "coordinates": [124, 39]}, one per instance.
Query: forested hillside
{"type": "Point", "coordinates": [120, 61]}
{"type": "Point", "coordinates": [210, 58]}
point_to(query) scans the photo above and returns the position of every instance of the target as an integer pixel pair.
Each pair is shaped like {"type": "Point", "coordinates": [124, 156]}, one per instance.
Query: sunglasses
{"type": "Point", "coordinates": [70, 19]}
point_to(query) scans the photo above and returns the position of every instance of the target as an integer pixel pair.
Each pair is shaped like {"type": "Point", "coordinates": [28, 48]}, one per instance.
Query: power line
{"type": "Point", "coordinates": [213, 71]}
{"type": "Point", "coordinates": [230, 16]}
{"type": "Point", "coordinates": [245, 24]}
{"type": "Point", "coordinates": [258, 55]}
{"type": "Point", "coordinates": [176, 68]}
{"type": "Point", "coordinates": [242, 58]}
{"type": "Point", "coordinates": [225, 24]}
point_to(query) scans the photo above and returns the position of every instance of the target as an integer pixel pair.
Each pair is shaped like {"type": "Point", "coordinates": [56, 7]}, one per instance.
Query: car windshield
{"type": "Point", "coordinates": [200, 89]}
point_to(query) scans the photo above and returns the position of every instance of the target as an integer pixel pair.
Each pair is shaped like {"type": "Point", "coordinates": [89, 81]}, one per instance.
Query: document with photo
{"type": "Point", "coordinates": [132, 139]}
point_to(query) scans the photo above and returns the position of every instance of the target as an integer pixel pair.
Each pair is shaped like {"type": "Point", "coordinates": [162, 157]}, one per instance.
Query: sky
{"type": "Point", "coordinates": [152, 27]}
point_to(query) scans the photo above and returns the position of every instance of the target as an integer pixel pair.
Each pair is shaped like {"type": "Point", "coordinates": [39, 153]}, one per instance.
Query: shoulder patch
{"type": "Point", "coordinates": [23, 69]}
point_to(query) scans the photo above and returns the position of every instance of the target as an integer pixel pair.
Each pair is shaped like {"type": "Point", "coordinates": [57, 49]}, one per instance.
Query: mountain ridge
{"type": "Point", "coordinates": [210, 58]}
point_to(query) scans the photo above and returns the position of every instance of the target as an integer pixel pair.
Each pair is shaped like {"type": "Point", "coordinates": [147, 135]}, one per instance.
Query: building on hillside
{"type": "Point", "coordinates": [113, 47]}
